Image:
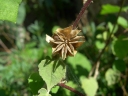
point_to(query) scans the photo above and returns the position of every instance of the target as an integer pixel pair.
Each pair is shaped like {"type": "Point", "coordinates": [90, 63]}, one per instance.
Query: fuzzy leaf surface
{"type": "Point", "coordinates": [9, 9]}
{"type": "Point", "coordinates": [52, 72]}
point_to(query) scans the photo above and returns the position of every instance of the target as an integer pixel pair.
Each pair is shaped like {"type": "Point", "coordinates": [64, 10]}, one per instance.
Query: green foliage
{"type": "Point", "coordinates": [33, 80]}
{"type": "Point", "coordinates": [52, 72]}
{"type": "Point", "coordinates": [119, 65]}
{"type": "Point", "coordinates": [55, 89]}
{"type": "Point", "coordinates": [112, 76]}
{"type": "Point", "coordinates": [55, 28]}
{"type": "Point", "coordinates": [108, 9]}
{"type": "Point", "coordinates": [79, 60]}
{"type": "Point", "coordinates": [89, 85]}
{"type": "Point", "coordinates": [99, 44]}
{"type": "Point", "coordinates": [120, 47]}
{"type": "Point", "coordinates": [110, 26]}
{"type": "Point", "coordinates": [21, 14]}
{"type": "Point", "coordinates": [123, 22]}
{"type": "Point", "coordinates": [43, 92]}
{"type": "Point", "coordinates": [9, 9]}
{"type": "Point", "coordinates": [23, 47]}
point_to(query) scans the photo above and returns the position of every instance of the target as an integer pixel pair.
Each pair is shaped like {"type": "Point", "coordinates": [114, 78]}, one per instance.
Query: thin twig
{"type": "Point", "coordinates": [71, 89]}
{"type": "Point", "coordinates": [123, 88]}
{"type": "Point", "coordinates": [107, 43]}
{"type": "Point", "coordinates": [86, 4]}
{"type": "Point", "coordinates": [8, 38]}
{"type": "Point", "coordinates": [97, 70]}
{"type": "Point", "coordinates": [4, 46]}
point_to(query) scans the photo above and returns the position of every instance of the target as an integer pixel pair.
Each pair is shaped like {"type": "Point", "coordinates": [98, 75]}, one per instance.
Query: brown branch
{"type": "Point", "coordinates": [86, 4]}
{"type": "Point", "coordinates": [107, 43]}
{"type": "Point", "coordinates": [71, 89]}
{"type": "Point", "coordinates": [123, 88]}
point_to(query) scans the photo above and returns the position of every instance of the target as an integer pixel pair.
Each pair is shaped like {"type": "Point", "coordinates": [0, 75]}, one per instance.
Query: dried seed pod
{"type": "Point", "coordinates": [65, 42]}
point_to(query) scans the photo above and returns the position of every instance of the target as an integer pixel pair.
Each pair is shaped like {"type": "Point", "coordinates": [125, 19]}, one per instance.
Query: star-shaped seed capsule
{"type": "Point", "coordinates": [65, 42]}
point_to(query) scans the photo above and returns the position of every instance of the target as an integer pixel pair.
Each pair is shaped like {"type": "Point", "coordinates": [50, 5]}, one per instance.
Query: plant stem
{"type": "Point", "coordinates": [71, 89]}
{"type": "Point", "coordinates": [86, 4]}
{"type": "Point", "coordinates": [123, 88]}
{"type": "Point", "coordinates": [4, 46]}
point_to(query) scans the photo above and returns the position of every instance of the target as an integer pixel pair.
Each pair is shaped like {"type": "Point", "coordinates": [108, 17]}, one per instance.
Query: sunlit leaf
{"type": "Point", "coordinates": [52, 72]}
{"type": "Point", "coordinates": [55, 89]}
{"type": "Point", "coordinates": [112, 76]}
{"type": "Point", "coordinates": [43, 92]}
{"type": "Point", "coordinates": [108, 9]}
{"type": "Point", "coordinates": [80, 63]}
{"type": "Point", "coordinates": [99, 44]}
{"type": "Point", "coordinates": [55, 28]}
{"type": "Point", "coordinates": [105, 35]}
{"type": "Point", "coordinates": [111, 26]}
{"type": "Point", "coordinates": [9, 9]}
{"type": "Point", "coordinates": [89, 85]}
{"type": "Point", "coordinates": [123, 22]}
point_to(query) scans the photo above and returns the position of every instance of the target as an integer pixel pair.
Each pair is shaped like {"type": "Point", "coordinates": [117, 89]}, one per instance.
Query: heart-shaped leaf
{"type": "Point", "coordinates": [89, 85]}
{"type": "Point", "coordinates": [52, 72]}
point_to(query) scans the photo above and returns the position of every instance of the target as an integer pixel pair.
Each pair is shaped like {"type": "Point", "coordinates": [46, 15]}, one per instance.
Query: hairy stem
{"type": "Point", "coordinates": [86, 4]}
{"type": "Point", "coordinates": [71, 89]}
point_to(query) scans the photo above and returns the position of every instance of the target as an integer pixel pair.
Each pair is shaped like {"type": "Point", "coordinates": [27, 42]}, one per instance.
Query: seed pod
{"type": "Point", "coordinates": [65, 42]}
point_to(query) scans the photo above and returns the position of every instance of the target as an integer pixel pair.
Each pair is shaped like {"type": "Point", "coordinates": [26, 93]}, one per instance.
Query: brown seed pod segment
{"type": "Point", "coordinates": [65, 42]}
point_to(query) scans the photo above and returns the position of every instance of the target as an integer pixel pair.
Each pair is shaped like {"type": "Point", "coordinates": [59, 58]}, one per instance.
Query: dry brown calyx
{"type": "Point", "coordinates": [65, 42]}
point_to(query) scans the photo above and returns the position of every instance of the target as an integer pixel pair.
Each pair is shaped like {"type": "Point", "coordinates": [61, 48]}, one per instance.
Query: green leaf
{"type": "Point", "coordinates": [35, 83]}
{"type": "Point", "coordinates": [89, 85]}
{"type": "Point", "coordinates": [79, 60]}
{"type": "Point", "coordinates": [9, 9]}
{"type": "Point", "coordinates": [21, 13]}
{"type": "Point", "coordinates": [43, 92]}
{"type": "Point", "coordinates": [99, 44]}
{"type": "Point", "coordinates": [110, 26]}
{"type": "Point", "coordinates": [52, 72]}
{"type": "Point", "coordinates": [120, 47]}
{"type": "Point", "coordinates": [108, 9]}
{"type": "Point", "coordinates": [119, 65]}
{"type": "Point", "coordinates": [34, 28]}
{"type": "Point", "coordinates": [112, 76]}
{"type": "Point", "coordinates": [55, 89]}
{"type": "Point", "coordinates": [55, 28]}
{"type": "Point", "coordinates": [125, 9]}
{"type": "Point", "coordinates": [123, 22]}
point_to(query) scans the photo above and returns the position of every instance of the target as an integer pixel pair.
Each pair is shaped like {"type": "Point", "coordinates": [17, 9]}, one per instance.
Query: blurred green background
{"type": "Point", "coordinates": [23, 45]}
